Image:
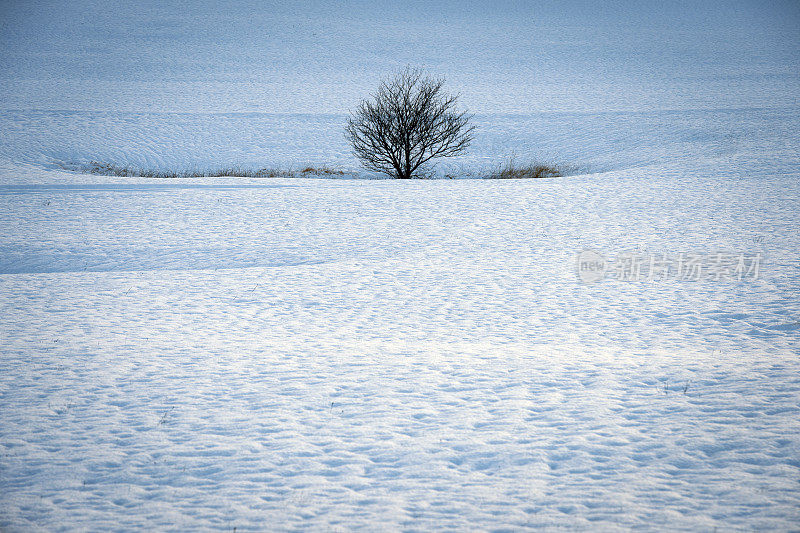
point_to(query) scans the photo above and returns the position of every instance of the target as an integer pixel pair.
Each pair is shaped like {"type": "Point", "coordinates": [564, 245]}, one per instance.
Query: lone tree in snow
{"type": "Point", "coordinates": [407, 123]}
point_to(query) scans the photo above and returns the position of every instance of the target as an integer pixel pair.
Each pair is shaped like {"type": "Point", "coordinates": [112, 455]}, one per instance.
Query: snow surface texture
{"type": "Point", "coordinates": [286, 354]}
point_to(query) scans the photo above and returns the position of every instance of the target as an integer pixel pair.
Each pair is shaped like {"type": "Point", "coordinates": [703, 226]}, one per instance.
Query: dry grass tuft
{"type": "Point", "coordinates": [322, 171]}
{"type": "Point", "coordinates": [510, 171]}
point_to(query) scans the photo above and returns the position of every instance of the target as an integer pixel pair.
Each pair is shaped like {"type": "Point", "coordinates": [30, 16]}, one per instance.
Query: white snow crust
{"type": "Point", "coordinates": [359, 354]}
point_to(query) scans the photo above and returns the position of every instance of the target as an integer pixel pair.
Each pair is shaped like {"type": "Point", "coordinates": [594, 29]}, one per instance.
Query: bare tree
{"type": "Point", "coordinates": [407, 123]}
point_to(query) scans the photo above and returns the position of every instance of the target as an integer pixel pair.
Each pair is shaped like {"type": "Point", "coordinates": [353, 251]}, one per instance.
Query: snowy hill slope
{"type": "Point", "coordinates": [294, 354]}
{"type": "Point", "coordinates": [761, 139]}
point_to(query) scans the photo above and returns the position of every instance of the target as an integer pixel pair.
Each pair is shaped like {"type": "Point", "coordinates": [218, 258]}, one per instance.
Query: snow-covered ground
{"type": "Point", "coordinates": [336, 354]}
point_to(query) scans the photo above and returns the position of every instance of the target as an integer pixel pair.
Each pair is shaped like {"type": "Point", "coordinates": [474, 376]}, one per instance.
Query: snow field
{"type": "Point", "coordinates": [336, 355]}
{"type": "Point", "coordinates": [328, 354]}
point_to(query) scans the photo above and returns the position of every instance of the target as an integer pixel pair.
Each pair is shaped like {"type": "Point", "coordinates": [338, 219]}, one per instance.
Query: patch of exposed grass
{"type": "Point", "coordinates": [322, 171]}
{"type": "Point", "coordinates": [110, 169]}
{"type": "Point", "coordinates": [508, 170]}
{"type": "Point", "coordinates": [511, 170]}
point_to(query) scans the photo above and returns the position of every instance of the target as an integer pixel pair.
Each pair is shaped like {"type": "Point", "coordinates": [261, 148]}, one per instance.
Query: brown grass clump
{"type": "Point", "coordinates": [510, 171]}
{"type": "Point", "coordinates": [322, 171]}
